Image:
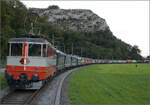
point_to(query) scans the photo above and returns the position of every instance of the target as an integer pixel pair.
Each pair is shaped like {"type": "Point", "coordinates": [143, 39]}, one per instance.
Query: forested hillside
{"type": "Point", "coordinates": [95, 44]}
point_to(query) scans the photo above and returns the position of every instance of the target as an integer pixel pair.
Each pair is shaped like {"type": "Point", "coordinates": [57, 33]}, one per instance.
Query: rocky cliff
{"type": "Point", "coordinates": [73, 19]}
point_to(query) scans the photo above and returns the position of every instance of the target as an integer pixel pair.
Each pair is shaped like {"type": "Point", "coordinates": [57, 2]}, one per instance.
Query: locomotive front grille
{"type": "Point", "coordinates": [23, 76]}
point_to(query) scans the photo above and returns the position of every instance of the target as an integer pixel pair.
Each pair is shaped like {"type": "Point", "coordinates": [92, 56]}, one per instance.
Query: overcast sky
{"type": "Point", "coordinates": [128, 20]}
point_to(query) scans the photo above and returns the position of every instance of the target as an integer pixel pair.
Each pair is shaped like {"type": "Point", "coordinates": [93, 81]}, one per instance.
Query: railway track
{"type": "Point", "coordinates": [19, 97]}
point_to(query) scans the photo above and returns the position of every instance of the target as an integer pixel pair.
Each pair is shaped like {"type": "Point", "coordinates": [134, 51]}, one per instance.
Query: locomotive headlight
{"type": "Point", "coordinates": [23, 76]}
{"type": "Point", "coordinates": [34, 77]}
{"type": "Point", "coordinates": [8, 76]}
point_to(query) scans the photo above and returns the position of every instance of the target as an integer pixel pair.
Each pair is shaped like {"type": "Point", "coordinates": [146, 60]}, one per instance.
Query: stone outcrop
{"type": "Point", "coordinates": [73, 19]}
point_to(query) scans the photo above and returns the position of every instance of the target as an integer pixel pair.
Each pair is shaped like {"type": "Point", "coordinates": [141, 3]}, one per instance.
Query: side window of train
{"type": "Point", "coordinates": [16, 49]}
{"type": "Point", "coordinates": [53, 52]}
{"type": "Point", "coordinates": [49, 51]}
{"type": "Point", "coordinates": [44, 50]}
{"type": "Point", "coordinates": [34, 50]}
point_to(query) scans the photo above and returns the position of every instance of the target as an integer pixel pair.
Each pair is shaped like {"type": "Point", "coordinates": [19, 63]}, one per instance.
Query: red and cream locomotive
{"type": "Point", "coordinates": [30, 59]}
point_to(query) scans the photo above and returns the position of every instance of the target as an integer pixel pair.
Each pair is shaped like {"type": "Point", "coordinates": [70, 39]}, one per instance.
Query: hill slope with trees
{"type": "Point", "coordinates": [94, 44]}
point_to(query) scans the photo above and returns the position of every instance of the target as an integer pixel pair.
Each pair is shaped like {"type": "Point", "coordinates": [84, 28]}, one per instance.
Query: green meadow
{"type": "Point", "coordinates": [111, 84]}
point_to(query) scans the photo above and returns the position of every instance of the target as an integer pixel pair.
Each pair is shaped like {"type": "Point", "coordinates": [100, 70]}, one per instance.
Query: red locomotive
{"type": "Point", "coordinates": [30, 59]}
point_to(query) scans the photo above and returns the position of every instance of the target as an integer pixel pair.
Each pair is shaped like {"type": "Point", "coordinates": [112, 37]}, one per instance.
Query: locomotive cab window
{"type": "Point", "coordinates": [8, 49]}
{"type": "Point", "coordinates": [44, 51]}
{"type": "Point", "coordinates": [34, 50]}
{"type": "Point", "coordinates": [16, 49]}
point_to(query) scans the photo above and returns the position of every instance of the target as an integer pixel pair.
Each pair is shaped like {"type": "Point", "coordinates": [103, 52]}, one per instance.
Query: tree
{"type": "Point", "coordinates": [135, 52]}
{"type": "Point", "coordinates": [148, 57]}
{"type": "Point", "coordinates": [53, 7]}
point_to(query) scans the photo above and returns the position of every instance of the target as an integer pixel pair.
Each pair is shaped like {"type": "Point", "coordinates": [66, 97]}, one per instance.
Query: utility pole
{"type": "Point", "coordinates": [81, 52]}
{"type": "Point", "coordinates": [57, 44]}
{"type": "Point", "coordinates": [86, 53]}
{"type": "Point", "coordinates": [53, 39]}
{"type": "Point", "coordinates": [39, 32]}
{"type": "Point", "coordinates": [72, 48]}
{"type": "Point", "coordinates": [64, 48]}
{"type": "Point", "coordinates": [31, 30]}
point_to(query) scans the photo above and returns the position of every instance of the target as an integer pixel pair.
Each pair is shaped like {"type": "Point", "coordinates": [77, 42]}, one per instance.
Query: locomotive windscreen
{"type": "Point", "coordinates": [34, 50]}
{"type": "Point", "coordinates": [16, 49]}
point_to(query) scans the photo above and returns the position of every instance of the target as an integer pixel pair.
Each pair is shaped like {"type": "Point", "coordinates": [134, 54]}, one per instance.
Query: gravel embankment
{"type": "Point", "coordinates": [54, 94]}
{"type": "Point", "coordinates": [64, 93]}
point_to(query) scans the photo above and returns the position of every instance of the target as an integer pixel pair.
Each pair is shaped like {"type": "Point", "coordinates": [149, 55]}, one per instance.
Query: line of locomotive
{"type": "Point", "coordinates": [32, 60]}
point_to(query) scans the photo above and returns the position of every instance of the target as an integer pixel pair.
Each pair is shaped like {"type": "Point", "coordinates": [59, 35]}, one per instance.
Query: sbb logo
{"type": "Point", "coordinates": [24, 61]}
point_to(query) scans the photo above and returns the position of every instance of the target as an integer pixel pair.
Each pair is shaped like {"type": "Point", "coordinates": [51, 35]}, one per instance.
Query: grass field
{"type": "Point", "coordinates": [111, 84]}
{"type": "Point", "coordinates": [3, 82]}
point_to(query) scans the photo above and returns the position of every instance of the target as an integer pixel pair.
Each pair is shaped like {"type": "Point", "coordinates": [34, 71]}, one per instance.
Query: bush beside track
{"type": "Point", "coordinates": [3, 82]}
{"type": "Point", "coordinates": [111, 84]}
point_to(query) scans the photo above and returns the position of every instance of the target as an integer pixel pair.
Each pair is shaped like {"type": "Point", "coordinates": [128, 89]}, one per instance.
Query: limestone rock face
{"type": "Point", "coordinates": [73, 19]}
